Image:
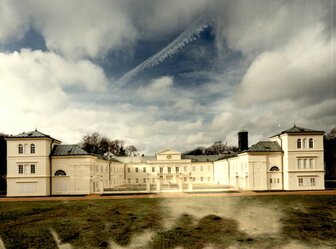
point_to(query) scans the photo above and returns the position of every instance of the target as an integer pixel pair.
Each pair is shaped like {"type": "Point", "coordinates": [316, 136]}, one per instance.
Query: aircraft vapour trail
{"type": "Point", "coordinates": [192, 33]}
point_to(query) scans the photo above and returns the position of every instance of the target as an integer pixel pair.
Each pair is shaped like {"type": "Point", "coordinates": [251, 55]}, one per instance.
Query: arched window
{"type": "Point", "coordinates": [274, 168]}
{"type": "Point", "coordinates": [20, 149]}
{"type": "Point", "coordinates": [32, 148]}
{"type": "Point", "coordinates": [60, 173]}
{"type": "Point", "coordinates": [298, 142]}
{"type": "Point", "coordinates": [311, 143]}
{"type": "Point", "coordinates": [304, 143]}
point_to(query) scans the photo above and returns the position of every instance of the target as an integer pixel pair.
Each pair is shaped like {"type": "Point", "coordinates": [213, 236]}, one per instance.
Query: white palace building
{"type": "Point", "coordinates": [39, 165]}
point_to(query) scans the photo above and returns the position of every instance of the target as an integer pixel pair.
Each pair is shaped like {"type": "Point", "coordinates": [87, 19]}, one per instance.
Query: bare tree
{"type": "Point", "coordinates": [131, 150]}
{"type": "Point", "coordinates": [98, 144]}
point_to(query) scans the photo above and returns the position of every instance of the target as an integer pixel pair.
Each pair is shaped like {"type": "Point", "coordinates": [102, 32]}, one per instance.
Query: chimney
{"type": "Point", "coordinates": [242, 140]}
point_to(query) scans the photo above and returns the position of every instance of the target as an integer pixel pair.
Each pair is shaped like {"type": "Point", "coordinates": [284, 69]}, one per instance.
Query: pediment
{"type": "Point", "coordinates": [168, 152]}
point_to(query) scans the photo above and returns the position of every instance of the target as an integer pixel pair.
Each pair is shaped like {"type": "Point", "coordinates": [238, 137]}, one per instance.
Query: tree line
{"type": "Point", "coordinates": [96, 143]}
{"type": "Point", "coordinates": [217, 148]}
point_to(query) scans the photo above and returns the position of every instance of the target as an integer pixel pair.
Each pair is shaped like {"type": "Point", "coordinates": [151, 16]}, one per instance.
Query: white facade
{"type": "Point", "coordinates": [28, 165]}
{"type": "Point", "coordinates": [298, 166]}
{"type": "Point", "coordinates": [38, 165]}
{"type": "Point", "coordinates": [303, 162]}
{"type": "Point", "coordinates": [167, 170]}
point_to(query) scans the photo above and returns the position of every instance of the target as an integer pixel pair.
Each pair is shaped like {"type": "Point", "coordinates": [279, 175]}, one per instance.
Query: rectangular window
{"type": "Point", "coordinates": [185, 179]}
{"type": "Point", "coordinates": [300, 163]}
{"type": "Point", "coordinates": [201, 179]}
{"type": "Point", "coordinates": [153, 180]}
{"type": "Point", "coordinates": [305, 163]}
{"type": "Point", "coordinates": [136, 180]}
{"type": "Point", "coordinates": [32, 149]}
{"type": "Point", "coordinates": [312, 163]}
{"type": "Point", "coordinates": [153, 169]}
{"type": "Point", "coordinates": [271, 181]}
{"type": "Point", "coordinates": [144, 180]}
{"type": "Point", "coordinates": [20, 169]}
{"type": "Point", "coordinates": [169, 169]}
{"type": "Point", "coordinates": [32, 169]}
{"type": "Point", "coordinates": [136, 169]}
{"type": "Point", "coordinates": [300, 181]}
{"type": "Point", "coordinates": [27, 187]}
{"type": "Point", "coordinates": [278, 181]}
{"type": "Point", "coordinates": [161, 170]}
{"type": "Point", "coordinates": [194, 179]}
{"type": "Point", "coordinates": [129, 180]}
{"type": "Point", "coordinates": [177, 169]}
{"type": "Point", "coordinates": [144, 169]}
{"type": "Point", "coordinates": [312, 181]}
{"type": "Point", "coordinates": [128, 170]}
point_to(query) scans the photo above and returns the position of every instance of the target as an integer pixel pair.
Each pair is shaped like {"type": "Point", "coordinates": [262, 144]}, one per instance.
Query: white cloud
{"type": "Point", "coordinates": [34, 86]}
{"type": "Point", "coordinates": [158, 89]}
{"type": "Point", "coordinates": [13, 24]}
{"type": "Point", "coordinates": [75, 29]}
{"type": "Point", "coordinates": [262, 25]}
{"type": "Point", "coordinates": [78, 28]}
{"type": "Point", "coordinates": [302, 70]}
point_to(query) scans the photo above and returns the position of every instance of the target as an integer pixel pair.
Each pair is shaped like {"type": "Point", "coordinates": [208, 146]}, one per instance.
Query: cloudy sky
{"type": "Point", "coordinates": [167, 74]}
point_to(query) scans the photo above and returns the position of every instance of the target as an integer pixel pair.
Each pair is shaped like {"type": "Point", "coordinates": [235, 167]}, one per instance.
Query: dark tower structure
{"type": "Point", "coordinates": [242, 140]}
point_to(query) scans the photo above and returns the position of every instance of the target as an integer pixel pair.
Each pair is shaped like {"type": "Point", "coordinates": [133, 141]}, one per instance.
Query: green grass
{"type": "Point", "coordinates": [196, 222]}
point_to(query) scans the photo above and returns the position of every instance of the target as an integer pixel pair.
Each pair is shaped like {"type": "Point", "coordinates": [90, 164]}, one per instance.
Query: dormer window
{"type": "Point", "coordinates": [311, 143]}
{"type": "Point", "coordinates": [298, 142]}
{"type": "Point", "coordinates": [20, 149]}
{"type": "Point", "coordinates": [32, 148]}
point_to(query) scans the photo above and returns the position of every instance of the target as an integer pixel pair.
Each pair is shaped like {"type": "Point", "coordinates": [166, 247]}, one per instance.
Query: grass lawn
{"type": "Point", "coordinates": [194, 222]}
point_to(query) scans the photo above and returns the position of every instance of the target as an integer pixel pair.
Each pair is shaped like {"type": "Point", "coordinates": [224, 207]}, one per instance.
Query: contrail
{"type": "Point", "coordinates": [192, 33]}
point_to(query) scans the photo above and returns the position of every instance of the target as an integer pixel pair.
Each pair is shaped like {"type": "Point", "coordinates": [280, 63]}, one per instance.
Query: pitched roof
{"type": "Point", "coordinates": [265, 146]}
{"type": "Point", "coordinates": [204, 158]}
{"type": "Point", "coordinates": [32, 134]}
{"type": "Point", "coordinates": [68, 150]}
{"type": "Point", "coordinates": [299, 130]}
{"type": "Point", "coordinates": [135, 159]}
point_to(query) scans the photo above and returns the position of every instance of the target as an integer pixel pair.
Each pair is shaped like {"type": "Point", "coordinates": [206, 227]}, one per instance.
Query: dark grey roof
{"type": "Point", "coordinates": [299, 130]}
{"type": "Point", "coordinates": [68, 150]}
{"type": "Point", "coordinates": [265, 146]}
{"type": "Point", "coordinates": [135, 159]}
{"type": "Point", "coordinates": [204, 158]}
{"type": "Point", "coordinates": [33, 134]}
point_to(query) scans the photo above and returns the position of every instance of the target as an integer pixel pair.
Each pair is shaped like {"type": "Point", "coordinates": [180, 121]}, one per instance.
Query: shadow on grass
{"type": "Point", "coordinates": [94, 224]}
{"type": "Point", "coordinates": [190, 233]}
{"type": "Point", "coordinates": [311, 226]}
{"type": "Point", "coordinates": [82, 224]}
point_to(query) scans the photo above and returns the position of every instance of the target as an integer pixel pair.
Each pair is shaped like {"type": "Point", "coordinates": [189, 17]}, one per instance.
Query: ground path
{"type": "Point", "coordinates": [165, 195]}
